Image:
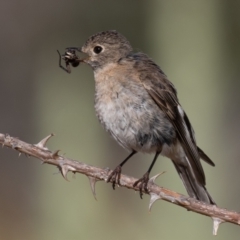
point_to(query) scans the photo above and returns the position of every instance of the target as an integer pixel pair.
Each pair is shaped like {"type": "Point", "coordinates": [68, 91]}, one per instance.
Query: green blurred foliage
{"type": "Point", "coordinates": [197, 45]}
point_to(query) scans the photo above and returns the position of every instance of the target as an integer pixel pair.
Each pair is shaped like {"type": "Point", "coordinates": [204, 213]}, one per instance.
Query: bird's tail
{"type": "Point", "coordinates": [194, 188]}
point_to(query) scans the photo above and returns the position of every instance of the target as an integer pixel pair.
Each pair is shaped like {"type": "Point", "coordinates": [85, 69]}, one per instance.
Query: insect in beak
{"type": "Point", "coordinates": [70, 58]}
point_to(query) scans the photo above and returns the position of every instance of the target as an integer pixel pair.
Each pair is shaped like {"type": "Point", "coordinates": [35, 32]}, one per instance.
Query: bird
{"type": "Point", "coordinates": [138, 105]}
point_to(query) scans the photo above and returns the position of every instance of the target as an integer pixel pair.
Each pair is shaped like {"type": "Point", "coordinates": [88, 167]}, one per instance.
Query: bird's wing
{"type": "Point", "coordinates": [164, 94]}
{"type": "Point", "coordinates": [204, 157]}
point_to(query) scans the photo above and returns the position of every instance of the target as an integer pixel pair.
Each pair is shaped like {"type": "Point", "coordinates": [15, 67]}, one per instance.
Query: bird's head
{"type": "Point", "coordinates": [104, 48]}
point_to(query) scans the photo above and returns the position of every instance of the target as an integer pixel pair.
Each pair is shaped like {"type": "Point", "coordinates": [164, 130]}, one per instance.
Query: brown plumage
{"type": "Point", "coordinates": [138, 106]}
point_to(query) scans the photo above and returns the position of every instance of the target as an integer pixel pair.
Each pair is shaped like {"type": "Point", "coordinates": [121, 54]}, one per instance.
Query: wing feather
{"type": "Point", "coordinates": [164, 94]}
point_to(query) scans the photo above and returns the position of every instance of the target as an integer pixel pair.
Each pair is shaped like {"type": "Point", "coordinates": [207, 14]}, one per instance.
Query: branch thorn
{"type": "Point", "coordinates": [153, 179]}
{"type": "Point", "coordinates": [216, 223]}
{"type": "Point", "coordinates": [92, 181]}
{"type": "Point", "coordinates": [65, 169]}
{"type": "Point", "coordinates": [7, 139]}
{"type": "Point", "coordinates": [153, 198]}
{"type": "Point", "coordinates": [55, 154]}
{"type": "Point", "coordinates": [43, 142]}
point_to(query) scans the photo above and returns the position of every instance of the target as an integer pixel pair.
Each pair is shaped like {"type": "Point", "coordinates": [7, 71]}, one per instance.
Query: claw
{"type": "Point", "coordinates": [114, 177]}
{"type": "Point", "coordinates": [143, 184]}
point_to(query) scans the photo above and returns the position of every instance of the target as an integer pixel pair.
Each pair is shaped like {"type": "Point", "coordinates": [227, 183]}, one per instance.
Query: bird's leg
{"type": "Point", "coordinates": [144, 180]}
{"type": "Point", "coordinates": [116, 173]}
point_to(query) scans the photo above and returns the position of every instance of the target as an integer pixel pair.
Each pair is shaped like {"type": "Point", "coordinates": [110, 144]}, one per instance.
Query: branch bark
{"type": "Point", "coordinates": [41, 152]}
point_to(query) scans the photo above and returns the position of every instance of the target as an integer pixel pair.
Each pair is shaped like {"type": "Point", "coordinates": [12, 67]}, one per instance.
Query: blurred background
{"type": "Point", "coordinates": [196, 43]}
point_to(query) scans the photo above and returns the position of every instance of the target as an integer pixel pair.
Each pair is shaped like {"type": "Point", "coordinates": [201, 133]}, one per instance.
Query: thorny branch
{"type": "Point", "coordinates": [40, 151]}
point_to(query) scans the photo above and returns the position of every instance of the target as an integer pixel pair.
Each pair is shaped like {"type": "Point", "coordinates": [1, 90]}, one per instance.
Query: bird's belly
{"type": "Point", "coordinates": [134, 120]}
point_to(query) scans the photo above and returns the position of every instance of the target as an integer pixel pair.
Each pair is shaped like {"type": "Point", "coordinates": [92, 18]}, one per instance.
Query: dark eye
{"type": "Point", "coordinates": [97, 49]}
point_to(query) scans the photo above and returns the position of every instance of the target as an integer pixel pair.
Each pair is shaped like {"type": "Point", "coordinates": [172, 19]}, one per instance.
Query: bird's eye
{"type": "Point", "coordinates": [97, 49]}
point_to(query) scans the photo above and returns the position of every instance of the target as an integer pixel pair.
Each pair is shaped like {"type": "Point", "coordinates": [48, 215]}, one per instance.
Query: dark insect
{"type": "Point", "coordinates": [70, 58]}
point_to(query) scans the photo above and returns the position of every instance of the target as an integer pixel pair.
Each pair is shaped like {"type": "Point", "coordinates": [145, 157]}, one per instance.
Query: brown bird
{"type": "Point", "coordinates": [137, 104]}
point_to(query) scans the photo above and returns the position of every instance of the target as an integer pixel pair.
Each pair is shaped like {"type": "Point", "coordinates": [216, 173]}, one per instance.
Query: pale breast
{"type": "Point", "coordinates": [128, 113]}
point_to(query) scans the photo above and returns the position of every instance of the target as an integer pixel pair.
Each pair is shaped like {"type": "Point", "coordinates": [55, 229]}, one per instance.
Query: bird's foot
{"type": "Point", "coordinates": [114, 177]}
{"type": "Point", "coordinates": [143, 184]}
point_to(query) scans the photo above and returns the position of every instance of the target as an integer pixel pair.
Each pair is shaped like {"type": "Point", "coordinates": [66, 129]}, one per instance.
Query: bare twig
{"type": "Point", "coordinates": [40, 151]}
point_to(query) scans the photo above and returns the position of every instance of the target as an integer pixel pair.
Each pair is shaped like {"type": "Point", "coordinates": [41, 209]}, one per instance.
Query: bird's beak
{"type": "Point", "coordinates": [79, 49]}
